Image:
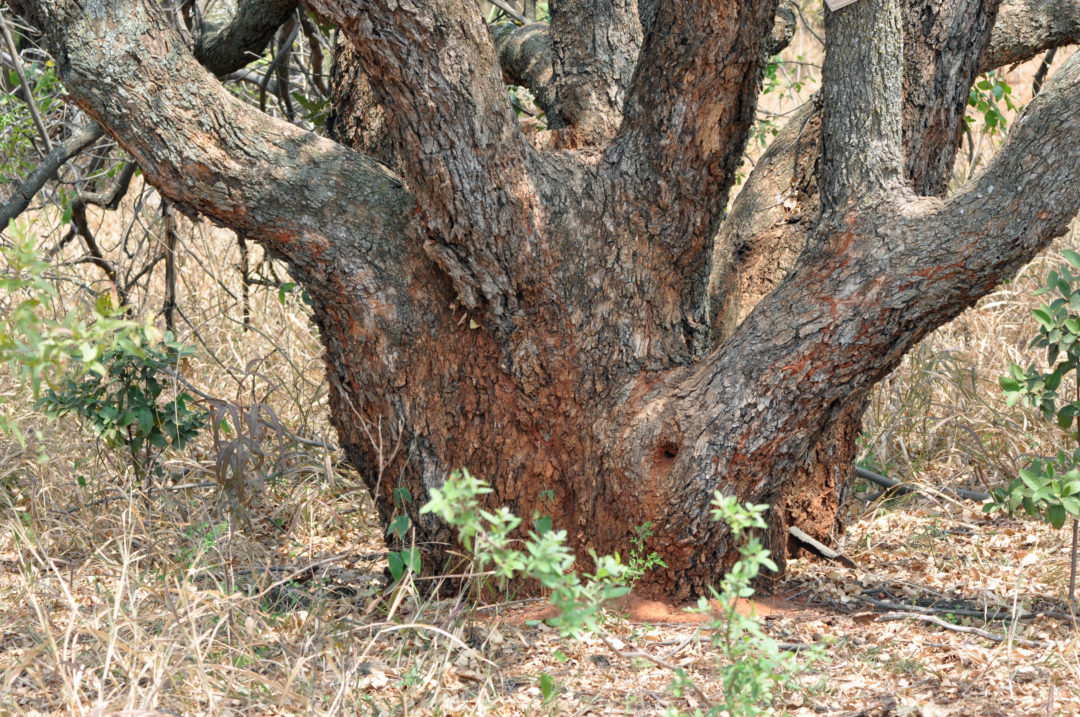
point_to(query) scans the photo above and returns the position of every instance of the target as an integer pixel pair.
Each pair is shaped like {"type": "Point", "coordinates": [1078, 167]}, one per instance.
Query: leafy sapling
{"type": "Point", "coordinates": [1050, 489]}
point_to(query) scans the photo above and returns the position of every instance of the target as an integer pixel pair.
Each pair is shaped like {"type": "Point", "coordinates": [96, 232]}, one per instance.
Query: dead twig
{"type": "Point", "coordinates": [986, 634]}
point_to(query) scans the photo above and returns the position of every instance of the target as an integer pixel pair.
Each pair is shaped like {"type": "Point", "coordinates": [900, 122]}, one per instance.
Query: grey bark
{"type": "Point", "coordinates": [227, 47]}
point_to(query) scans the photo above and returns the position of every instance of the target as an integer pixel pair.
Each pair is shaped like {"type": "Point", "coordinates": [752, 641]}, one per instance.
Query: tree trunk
{"type": "Point", "coordinates": [542, 317]}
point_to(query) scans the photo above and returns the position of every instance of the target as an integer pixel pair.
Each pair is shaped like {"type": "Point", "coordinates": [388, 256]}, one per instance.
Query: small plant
{"type": "Point", "coordinates": [127, 404]}
{"type": "Point", "coordinates": [408, 558]}
{"type": "Point", "coordinates": [1050, 489]}
{"type": "Point", "coordinates": [752, 666]}
{"type": "Point", "coordinates": [637, 562]}
{"type": "Point", "coordinates": [42, 350]}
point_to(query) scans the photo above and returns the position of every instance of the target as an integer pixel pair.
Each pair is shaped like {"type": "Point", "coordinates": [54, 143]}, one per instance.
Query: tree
{"type": "Point", "coordinates": [576, 320]}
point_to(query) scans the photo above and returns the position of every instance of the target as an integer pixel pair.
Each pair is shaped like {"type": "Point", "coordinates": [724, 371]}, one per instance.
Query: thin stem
{"type": "Point", "coordinates": [27, 94]}
{"type": "Point", "coordinates": [1072, 569]}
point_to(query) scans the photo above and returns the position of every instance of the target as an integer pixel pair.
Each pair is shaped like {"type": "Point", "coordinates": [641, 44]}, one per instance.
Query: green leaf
{"type": "Point", "coordinates": [1056, 515]}
{"type": "Point", "coordinates": [396, 564]}
{"type": "Point", "coordinates": [1072, 257]}
{"type": "Point", "coordinates": [547, 687]}
{"type": "Point", "coordinates": [1043, 317]}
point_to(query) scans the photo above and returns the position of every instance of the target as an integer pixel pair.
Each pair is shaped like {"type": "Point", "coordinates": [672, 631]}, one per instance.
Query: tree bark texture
{"type": "Point", "coordinates": [542, 316]}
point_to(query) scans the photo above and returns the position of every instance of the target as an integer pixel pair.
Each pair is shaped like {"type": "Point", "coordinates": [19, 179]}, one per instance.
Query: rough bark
{"type": "Point", "coordinates": [945, 48]}
{"type": "Point", "coordinates": [1026, 28]}
{"type": "Point", "coordinates": [227, 47]}
{"type": "Point", "coordinates": [531, 315]}
{"type": "Point", "coordinates": [943, 45]}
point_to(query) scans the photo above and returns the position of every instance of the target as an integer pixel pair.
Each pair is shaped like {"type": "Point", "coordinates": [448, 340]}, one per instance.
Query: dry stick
{"type": "Point", "coordinates": [27, 94]}
{"type": "Point", "coordinates": [509, 10]}
{"type": "Point", "coordinates": [274, 64]}
{"type": "Point", "coordinates": [893, 616]}
{"type": "Point", "coordinates": [245, 280]}
{"type": "Point", "coordinates": [20, 198]}
{"type": "Point", "coordinates": [819, 547]}
{"type": "Point", "coordinates": [998, 614]}
{"type": "Point", "coordinates": [898, 487]}
{"type": "Point", "coordinates": [282, 70]}
{"type": "Point", "coordinates": [1040, 74]}
{"type": "Point", "coordinates": [168, 306]}
{"type": "Point", "coordinates": [315, 47]}
{"type": "Point", "coordinates": [97, 258]}
{"type": "Point", "coordinates": [111, 199]}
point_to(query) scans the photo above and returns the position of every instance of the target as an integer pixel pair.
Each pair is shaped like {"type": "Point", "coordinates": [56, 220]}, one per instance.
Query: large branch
{"type": "Point", "coordinates": [435, 74]}
{"type": "Point", "coordinates": [527, 59]}
{"type": "Point", "coordinates": [230, 46]}
{"type": "Point", "coordinates": [769, 222]}
{"type": "Point", "coordinates": [844, 318]}
{"type": "Point", "coordinates": [1025, 28]}
{"type": "Point", "coordinates": [206, 150]}
{"type": "Point", "coordinates": [861, 87]}
{"type": "Point", "coordinates": [943, 43]}
{"type": "Point", "coordinates": [687, 117]}
{"type": "Point", "coordinates": [596, 45]}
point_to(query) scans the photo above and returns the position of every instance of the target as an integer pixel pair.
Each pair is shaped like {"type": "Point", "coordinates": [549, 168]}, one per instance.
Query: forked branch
{"type": "Point", "coordinates": [207, 151]}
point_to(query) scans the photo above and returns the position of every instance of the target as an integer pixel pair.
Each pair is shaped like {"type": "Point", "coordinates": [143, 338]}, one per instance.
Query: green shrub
{"type": "Point", "coordinates": [751, 664]}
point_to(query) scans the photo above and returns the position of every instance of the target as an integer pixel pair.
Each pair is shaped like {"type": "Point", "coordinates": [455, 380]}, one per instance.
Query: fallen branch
{"type": "Point", "coordinates": [820, 548]}
{"type": "Point", "coordinates": [986, 634]}
{"type": "Point", "coordinates": [895, 486]}
{"type": "Point", "coordinates": [962, 612]}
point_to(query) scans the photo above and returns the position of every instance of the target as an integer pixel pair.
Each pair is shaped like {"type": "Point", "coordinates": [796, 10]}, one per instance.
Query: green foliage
{"type": "Point", "coordinates": [545, 558]}
{"type": "Point", "coordinates": [752, 667]}
{"type": "Point", "coordinates": [127, 403]}
{"type": "Point", "coordinates": [1049, 489]}
{"type": "Point", "coordinates": [408, 558]}
{"type": "Point", "coordinates": [987, 97]}
{"type": "Point", "coordinates": [43, 350]}
{"type": "Point", "coordinates": [17, 129]}
{"type": "Point", "coordinates": [637, 562]}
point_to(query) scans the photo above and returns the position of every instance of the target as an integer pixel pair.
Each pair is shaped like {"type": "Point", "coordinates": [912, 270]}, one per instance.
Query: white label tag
{"type": "Point", "coordinates": [835, 5]}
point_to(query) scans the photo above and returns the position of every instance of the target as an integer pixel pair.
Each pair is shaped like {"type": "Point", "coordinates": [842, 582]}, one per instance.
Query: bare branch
{"type": "Point", "coordinates": [20, 198]}
{"type": "Point", "coordinates": [861, 87]}
{"type": "Point", "coordinates": [1025, 28]}
{"type": "Point", "coordinates": [226, 48]}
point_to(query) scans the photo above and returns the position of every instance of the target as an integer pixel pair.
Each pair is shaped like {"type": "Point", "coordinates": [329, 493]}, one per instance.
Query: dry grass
{"type": "Point", "coordinates": [190, 603]}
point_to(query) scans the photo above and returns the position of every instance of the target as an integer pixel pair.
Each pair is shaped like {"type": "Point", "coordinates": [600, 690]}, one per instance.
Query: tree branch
{"type": "Point", "coordinates": [687, 117]}
{"type": "Point", "coordinates": [466, 160]}
{"type": "Point", "coordinates": [595, 49]}
{"type": "Point", "coordinates": [526, 58]}
{"type": "Point", "coordinates": [861, 87]}
{"type": "Point", "coordinates": [228, 47]}
{"type": "Point", "coordinates": [943, 41]}
{"type": "Point", "coordinates": [73, 145]}
{"type": "Point", "coordinates": [207, 151]}
{"type": "Point", "coordinates": [1024, 28]}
